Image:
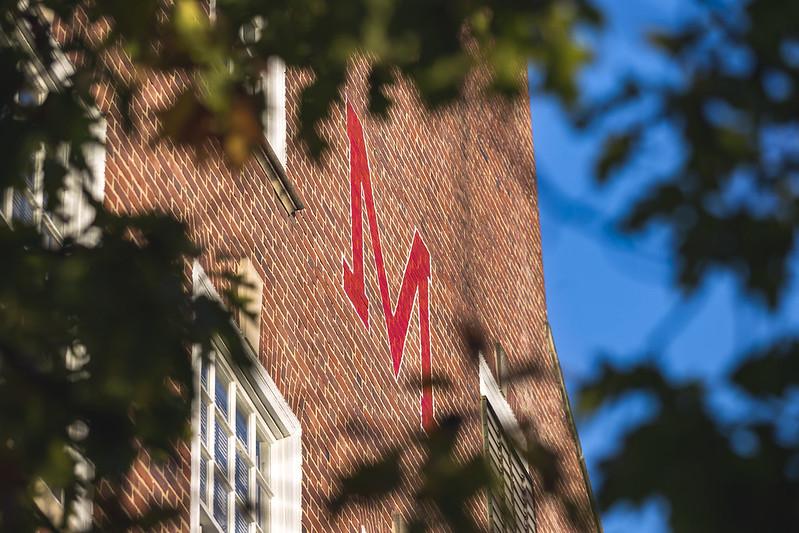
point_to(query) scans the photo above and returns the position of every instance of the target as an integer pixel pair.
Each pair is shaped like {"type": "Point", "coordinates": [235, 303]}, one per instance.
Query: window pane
{"type": "Point", "coordinates": [262, 456]}
{"type": "Point", "coordinates": [204, 374]}
{"type": "Point", "coordinates": [203, 421]}
{"type": "Point", "coordinates": [242, 478]}
{"type": "Point", "coordinates": [220, 503]}
{"type": "Point", "coordinates": [220, 447]}
{"type": "Point", "coordinates": [220, 397]}
{"type": "Point", "coordinates": [22, 209]}
{"type": "Point", "coordinates": [241, 423]}
{"type": "Point", "coordinates": [203, 478]}
{"type": "Point", "coordinates": [29, 96]}
{"type": "Point", "coordinates": [261, 503]}
{"type": "Point", "coordinates": [242, 523]}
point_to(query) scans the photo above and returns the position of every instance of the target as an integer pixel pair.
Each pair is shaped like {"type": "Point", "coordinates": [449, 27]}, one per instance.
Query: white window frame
{"type": "Point", "coordinates": [274, 117]}
{"type": "Point", "coordinates": [261, 431]}
{"type": "Point", "coordinates": [273, 86]}
{"type": "Point", "coordinates": [285, 452]}
{"type": "Point", "coordinates": [272, 154]}
{"type": "Point", "coordinates": [493, 394]}
{"type": "Point", "coordinates": [77, 210]}
{"type": "Point", "coordinates": [80, 215]}
{"type": "Point", "coordinates": [491, 390]}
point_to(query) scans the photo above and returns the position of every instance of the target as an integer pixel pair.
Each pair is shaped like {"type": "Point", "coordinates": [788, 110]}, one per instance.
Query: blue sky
{"type": "Point", "coordinates": [609, 296]}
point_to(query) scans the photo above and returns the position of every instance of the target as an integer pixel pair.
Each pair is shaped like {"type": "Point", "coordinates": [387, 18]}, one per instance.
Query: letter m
{"type": "Point", "coordinates": [415, 279]}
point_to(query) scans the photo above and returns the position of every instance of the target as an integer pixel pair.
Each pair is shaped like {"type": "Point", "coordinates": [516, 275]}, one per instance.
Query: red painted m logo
{"type": "Point", "coordinates": [415, 280]}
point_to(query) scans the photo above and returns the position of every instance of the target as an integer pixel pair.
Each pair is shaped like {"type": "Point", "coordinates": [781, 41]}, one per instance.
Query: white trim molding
{"type": "Point", "coordinates": [490, 389]}
{"type": "Point", "coordinates": [504, 447]}
{"type": "Point", "coordinates": [285, 453]}
{"type": "Point", "coordinates": [275, 119]}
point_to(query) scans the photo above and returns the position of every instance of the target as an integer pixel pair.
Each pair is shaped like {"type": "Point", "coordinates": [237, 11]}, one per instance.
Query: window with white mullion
{"type": "Point", "coordinates": [235, 435]}
{"type": "Point", "coordinates": [252, 443]}
{"type": "Point", "coordinates": [232, 405]}
{"type": "Point", "coordinates": [502, 440]}
{"type": "Point", "coordinates": [24, 204]}
{"type": "Point", "coordinates": [217, 509]}
{"type": "Point", "coordinates": [5, 205]}
{"type": "Point", "coordinates": [243, 422]}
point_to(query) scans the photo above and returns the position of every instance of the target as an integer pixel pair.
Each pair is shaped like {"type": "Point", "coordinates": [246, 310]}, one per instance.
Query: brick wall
{"type": "Point", "coordinates": [464, 177]}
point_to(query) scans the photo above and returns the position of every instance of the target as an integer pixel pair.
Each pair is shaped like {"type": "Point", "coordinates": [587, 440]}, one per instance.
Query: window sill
{"type": "Point", "coordinates": [207, 522]}
{"type": "Point", "coordinates": [276, 173]}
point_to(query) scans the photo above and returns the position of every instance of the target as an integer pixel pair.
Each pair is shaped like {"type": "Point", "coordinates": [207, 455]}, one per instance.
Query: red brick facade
{"type": "Point", "coordinates": [465, 178]}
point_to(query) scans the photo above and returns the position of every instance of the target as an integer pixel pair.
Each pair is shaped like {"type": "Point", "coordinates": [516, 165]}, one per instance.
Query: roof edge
{"type": "Point", "coordinates": [553, 352]}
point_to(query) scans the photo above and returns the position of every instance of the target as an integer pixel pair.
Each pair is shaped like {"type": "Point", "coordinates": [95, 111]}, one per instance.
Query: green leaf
{"type": "Point", "coordinates": [616, 152]}
{"type": "Point", "coordinates": [770, 372]}
{"type": "Point", "coordinates": [368, 480]}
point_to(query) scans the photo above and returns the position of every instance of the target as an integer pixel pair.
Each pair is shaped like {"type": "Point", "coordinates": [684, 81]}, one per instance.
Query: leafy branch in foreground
{"type": "Point", "coordinates": [436, 45]}
{"type": "Point", "coordinates": [728, 202]}
{"type": "Point", "coordinates": [90, 375]}
{"type": "Point", "coordinates": [729, 198]}
{"type": "Point", "coordinates": [449, 491]}
{"type": "Point", "coordinates": [715, 475]}
{"type": "Point", "coordinates": [95, 339]}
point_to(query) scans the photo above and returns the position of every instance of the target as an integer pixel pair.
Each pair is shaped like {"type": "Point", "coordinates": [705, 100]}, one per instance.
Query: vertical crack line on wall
{"type": "Point", "coordinates": [465, 199]}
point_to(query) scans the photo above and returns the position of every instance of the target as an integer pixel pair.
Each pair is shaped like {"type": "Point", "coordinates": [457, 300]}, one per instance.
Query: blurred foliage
{"type": "Point", "coordinates": [450, 489]}
{"type": "Point", "coordinates": [740, 475]}
{"type": "Point", "coordinates": [730, 100]}
{"type": "Point", "coordinates": [96, 333]}
{"type": "Point", "coordinates": [95, 359]}
{"type": "Point", "coordinates": [448, 486]}
{"type": "Point", "coordinates": [435, 44]}
{"type": "Point", "coordinates": [729, 204]}
{"type": "Point", "coordinates": [97, 327]}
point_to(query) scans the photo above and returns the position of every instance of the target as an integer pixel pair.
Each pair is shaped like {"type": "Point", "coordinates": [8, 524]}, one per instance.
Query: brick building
{"type": "Point", "coordinates": [432, 219]}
